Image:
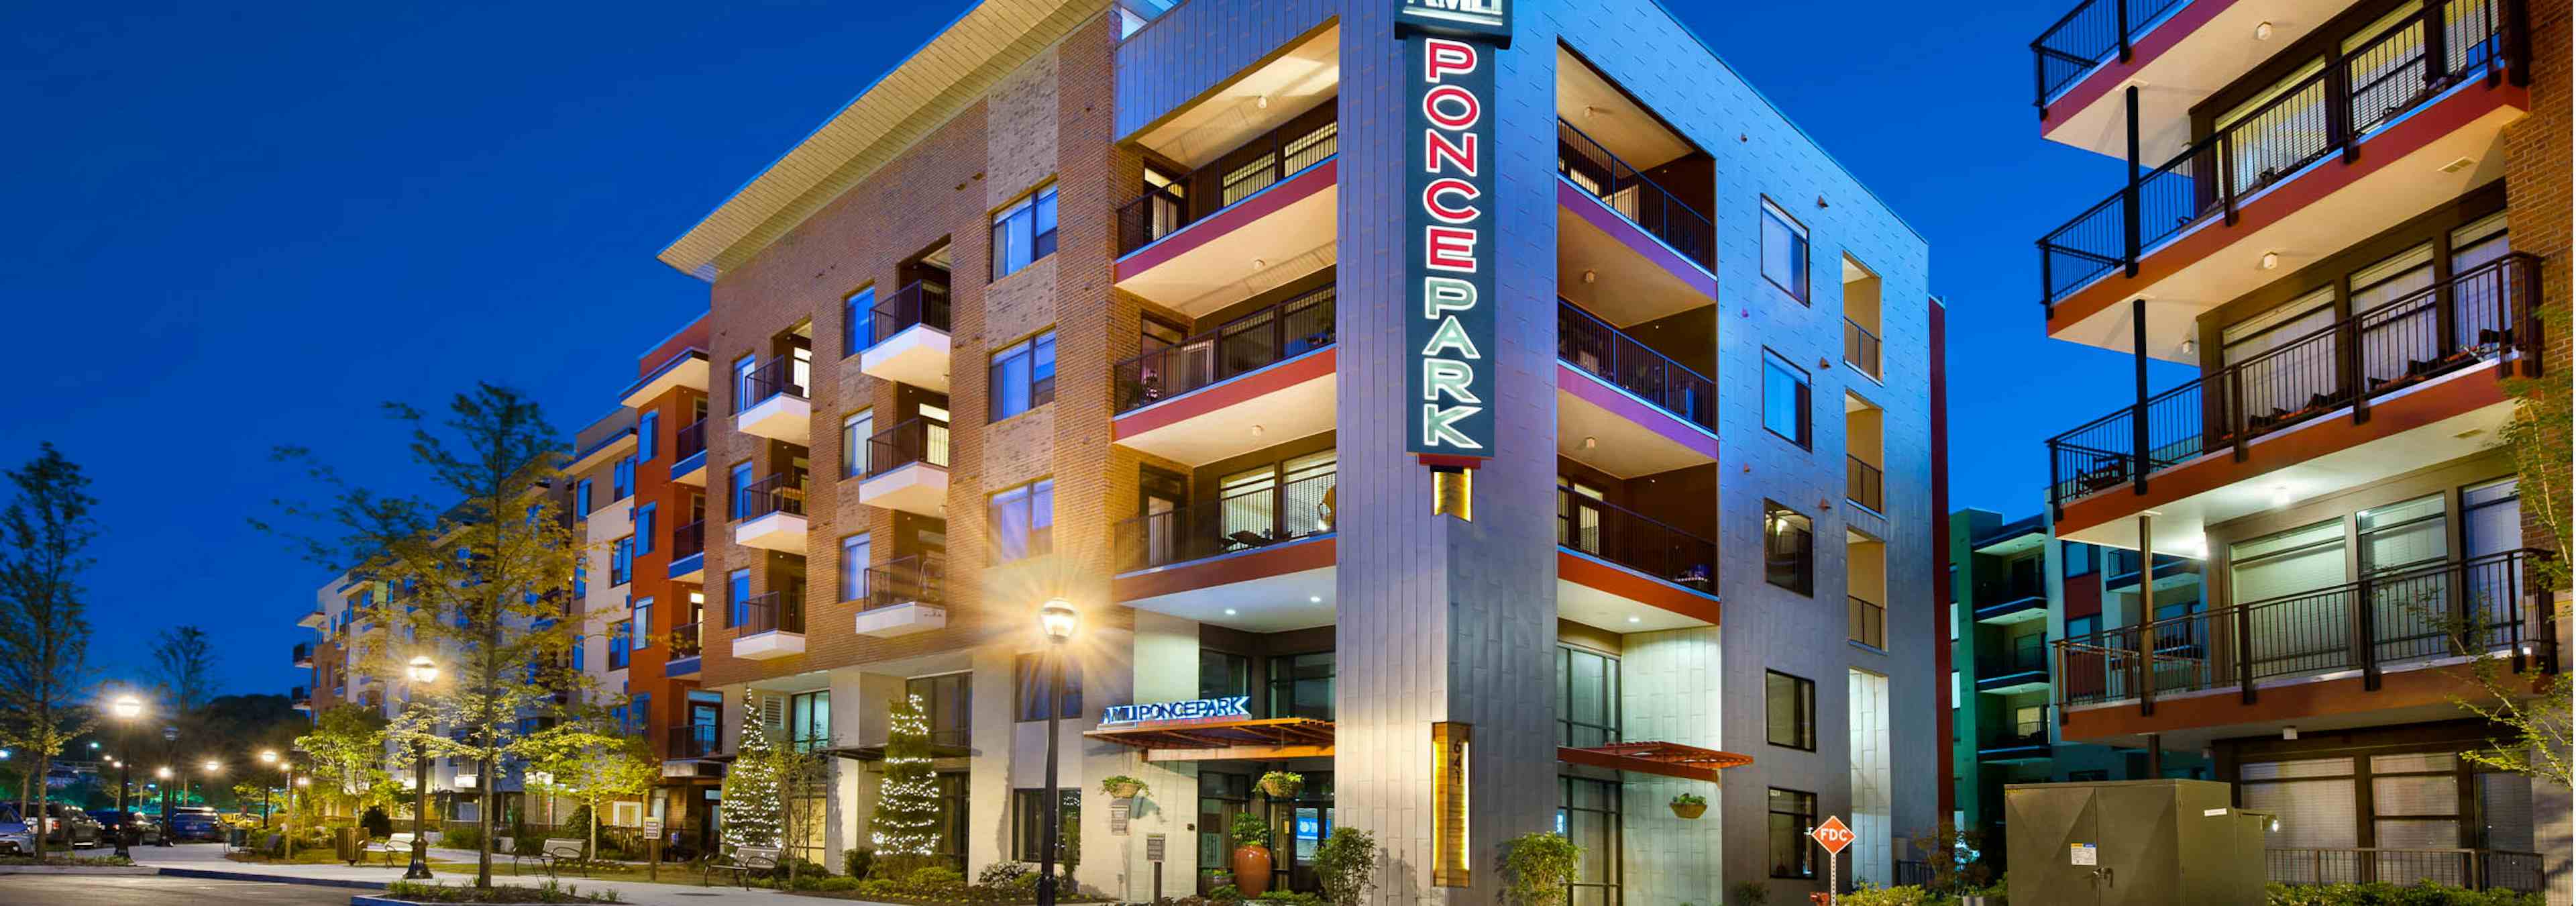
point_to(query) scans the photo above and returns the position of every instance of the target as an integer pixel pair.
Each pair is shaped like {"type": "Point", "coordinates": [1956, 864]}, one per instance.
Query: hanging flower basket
{"type": "Point", "coordinates": [1282, 784]}
{"type": "Point", "coordinates": [1123, 787]}
{"type": "Point", "coordinates": [1689, 807]}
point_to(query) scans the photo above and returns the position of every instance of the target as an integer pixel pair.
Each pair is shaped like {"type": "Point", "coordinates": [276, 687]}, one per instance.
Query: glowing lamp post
{"type": "Point", "coordinates": [1058, 618]}
{"type": "Point", "coordinates": [423, 672]}
{"type": "Point", "coordinates": [126, 708]}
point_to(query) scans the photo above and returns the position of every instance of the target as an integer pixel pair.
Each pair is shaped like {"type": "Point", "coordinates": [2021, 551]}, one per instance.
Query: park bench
{"type": "Point", "coordinates": [558, 850]}
{"type": "Point", "coordinates": [745, 862]}
{"type": "Point", "coordinates": [398, 843]}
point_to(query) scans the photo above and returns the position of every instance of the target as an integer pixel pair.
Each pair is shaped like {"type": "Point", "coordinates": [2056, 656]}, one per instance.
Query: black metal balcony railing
{"type": "Point", "coordinates": [2355, 94]}
{"type": "Point", "coordinates": [1591, 167]}
{"type": "Point", "coordinates": [1246, 344]}
{"type": "Point", "coordinates": [2479, 314]}
{"type": "Point", "coordinates": [2024, 656]}
{"type": "Point", "coordinates": [689, 441]}
{"type": "Point", "coordinates": [783, 375]}
{"type": "Point", "coordinates": [1259, 164]}
{"type": "Point", "coordinates": [1864, 484]}
{"type": "Point", "coordinates": [2005, 594]}
{"type": "Point", "coordinates": [922, 440]}
{"type": "Point", "coordinates": [1588, 526]}
{"type": "Point", "coordinates": [906, 580]}
{"type": "Point", "coordinates": [1868, 622]}
{"type": "Point", "coordinates": [2122, 567]}
{"type": "Point", "coordinates": [920, 302]}
{"type": "Point", "coordinates": [2018, 735]}
{"type": "Point", "coordinates": [689, 540]}
{"type": "Point", "coordinates": [1241, 521]}
{"type": "Point", "coordinates": [2093, 33]}
{"type": "Point", "coordinates": [297, 694]}
{"type": "Point", "coordinates": [1860, 349]}
{"type": "Point", "coordinates": [303, 656]}
{"type": "Point", "coordinates": [694, 741]}
{"type": "Point", "coordinates": [2398, 617]}
{"type": "Point", "coordinates": [2475, 869]}
{"type": "Point", "coordinates": [775, 611]}
{"type": "Point", "coordinates": [780, 493]}
{"type": "Point", "coordinates": [684, 641]}
{"type": "Point", "coordinates": [1591, 344]}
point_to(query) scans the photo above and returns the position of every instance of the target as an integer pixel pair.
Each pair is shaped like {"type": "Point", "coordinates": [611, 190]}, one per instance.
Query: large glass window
{"type": "Point", "coordinates": [1023, 376]}
{"type": "Point", "coordinates": [1221, 797]}
{"type": "Point", "coordinates": [647, 427]}
{"type": "Point", "coordinates": [2079, 558]}
{"type": "Point", "coordinates": [951, 847]}
{"type": "Point", "coordinates": [1030, 675]}
{"type": "Point", "coordinates": [1023, 232]}
{"type": "Point", "coordinates": [1224, 675]}
{"type": "Point", "coordinates": [1023, 521]}
{"type": "Point", "coordinates": [1302, 686]}
{"type": "Point", "coordinates": [949, 701]}
{"type": "Point", "coordinates": [1587, 812]}
{"type": "Point", "coordinates": [1587, 698]}
{"type": "Point", "coordinates": [622, 479]}
{"type": "Point", "coordinates": [1789, 710]}
{"type": "Point", "coordinates": [1788, 548]}
{"type": "Point", "coordinates": [737, 481]}
{"type": "Point", "coordinates": [1793, 814]}
{"type": "Point", "coordinates": [1029, 819]}
{"type": "Point", "coordinates": [855, 431]}
{"type": "Point", "coordinates": [858, 321]}
{"type": "Point", "coordinates": [1787, 399]}
{"type": "Point", "coordinates": [854, 567]}
{"type": "Point", "coordinates": [644, 519]}
{"type": "Point", "coordinates": [809, 720]}
{"type": "Point", "coordinates": [737, 597]}
{"type": "Point", "coordinates": [643, 623]}
{"type": "Point", "coordinates": [1784, 251]}
{"type": "Point", "coordinates": [2286, 564]}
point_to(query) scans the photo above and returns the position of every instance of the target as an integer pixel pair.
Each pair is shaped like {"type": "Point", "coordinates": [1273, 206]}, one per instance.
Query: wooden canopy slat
{"type": "Point", "coordinates": [1658, 758]}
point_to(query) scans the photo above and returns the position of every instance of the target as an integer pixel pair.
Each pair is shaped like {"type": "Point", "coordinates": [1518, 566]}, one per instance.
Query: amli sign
{"type": "Point", "coordinates": [1199, 709]}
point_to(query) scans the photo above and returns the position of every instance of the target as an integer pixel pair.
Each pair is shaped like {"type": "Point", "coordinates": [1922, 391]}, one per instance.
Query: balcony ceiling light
{"type": "Point", "coordinates": [1263, 102]}
{"type": "Point", "coordinates": [1314, 599]}
{"type": "Point", "coordinates": [2263, 31]}
{"type": "Point", "coordinates": [2271, 260]}
{"type": "Point", "coordinates": [1229, 611]}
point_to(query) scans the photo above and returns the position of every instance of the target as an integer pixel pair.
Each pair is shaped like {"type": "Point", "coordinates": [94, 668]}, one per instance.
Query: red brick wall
{"type": "Point", "coordinates": [2537, 189]}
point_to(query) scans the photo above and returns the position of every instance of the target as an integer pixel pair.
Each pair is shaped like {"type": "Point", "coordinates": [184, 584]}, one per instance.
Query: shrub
{"type": "Point", "coordinates": [2381, 893]}
{"type": "Point", "coordinates": [377, 823]}
{"type": "Point", "coordinates": [1249, 830]}
{"type": "Point", "coordinates": [836, 884]}
{"type": "Point", "coordinates": [461, 837]}
{"type": "Point", "coordinates": [1225, 894]}
{"type": "Point", "coordinates": [1006, 873]}
{"type": "Point", "coordinates": [1869, 895]}
{"type": "Point", "coordinates": [1290, 898]}
{"type": "Point", "coordinates": [878, 887]}
{"type": "Point", "coordinates": [1536, 867]}
{"type": "Point", "coordinates": [1750, 893]}
{"type": "Point", "coordinates": [933, 880]}
{"type": "Point", "coordinates": [856, 862]}
{"type": "Point", "coordinates": [1346, 864]}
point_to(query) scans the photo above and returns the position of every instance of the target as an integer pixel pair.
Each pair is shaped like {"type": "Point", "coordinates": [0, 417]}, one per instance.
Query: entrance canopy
{"type": "Point", "coordinates": [1664, 759]}
{"type": "Point", "coordinates": [1268, 739]}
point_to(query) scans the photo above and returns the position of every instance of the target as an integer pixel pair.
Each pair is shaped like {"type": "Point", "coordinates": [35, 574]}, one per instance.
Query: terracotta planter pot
{"type": "Point", "coordinates": [1125, 790]}
{"type": "Point", "coordinates": [1251, 871]}
{"type": "Point", "coordinates": [1689, 811]}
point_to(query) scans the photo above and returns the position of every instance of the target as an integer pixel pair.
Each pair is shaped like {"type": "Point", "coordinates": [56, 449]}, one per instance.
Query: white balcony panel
{"type": "Point", "coordinates": [901, 620]}
{"type": "Point", "coordinates": [917, 356]}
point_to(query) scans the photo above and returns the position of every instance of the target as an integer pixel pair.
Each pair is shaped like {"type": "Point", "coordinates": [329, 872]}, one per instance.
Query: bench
{"type": "Point", "coordinates": [557, 850]}
{"type": "Point", "coordinates": [398, 843]}
{"type": "Point", "coordinates": [744, 863]}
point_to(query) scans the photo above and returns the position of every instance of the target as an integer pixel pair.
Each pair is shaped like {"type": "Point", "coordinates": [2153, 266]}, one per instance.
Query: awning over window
{"type": "Point", "coordinates": [1225, 740]}
{"type": "Point", "coordinates": [1664, 759]}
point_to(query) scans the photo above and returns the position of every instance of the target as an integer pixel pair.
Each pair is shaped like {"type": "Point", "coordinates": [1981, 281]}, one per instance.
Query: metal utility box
{"type": "Point", "coordinates": [2132, 843]}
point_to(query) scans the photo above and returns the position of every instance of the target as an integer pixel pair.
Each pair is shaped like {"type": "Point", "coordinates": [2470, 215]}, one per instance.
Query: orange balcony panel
{"type": "Point", "coordinates": [2196, 51]}
{"type": "Point", "coordinates": [2318, 704]}
{"type": "Point", "coordinates": [1278, 234]}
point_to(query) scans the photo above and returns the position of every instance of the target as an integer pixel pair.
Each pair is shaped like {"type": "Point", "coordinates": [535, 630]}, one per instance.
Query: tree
{"type": "Point", "coordinates": [593, 768]}
{"type": "Point", "coordinates": [183, 664]}
{"type": "Point", "coordinates": [348, 749]}
{"type": "Point", "coordinates": [800, 769]}
{"type": "Point", "coordinates": [905, 827]}
{"type": "Point", "coordinates": [481, 586]}
{"type": "Point", "coordinates": [44, 625]}
{"type": "Point", "coordinates": [752, 812]}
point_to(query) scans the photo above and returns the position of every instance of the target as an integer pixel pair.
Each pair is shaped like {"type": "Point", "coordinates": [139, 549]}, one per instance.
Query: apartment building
{"type": "Point", "coordinates": [1108, 302]}
{"type": "Point", "coordinates": [2347, 215]}
{"type": "Point", "coordinates": [2018, 589]}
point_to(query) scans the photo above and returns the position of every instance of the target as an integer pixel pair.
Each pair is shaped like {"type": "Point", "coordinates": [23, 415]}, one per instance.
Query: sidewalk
{"type": "Point", "coordinates": [209, 857]}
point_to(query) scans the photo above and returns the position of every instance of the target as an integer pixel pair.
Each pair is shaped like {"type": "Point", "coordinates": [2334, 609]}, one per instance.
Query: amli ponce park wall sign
{"type": "Point", "coordinates": [1449, 266]}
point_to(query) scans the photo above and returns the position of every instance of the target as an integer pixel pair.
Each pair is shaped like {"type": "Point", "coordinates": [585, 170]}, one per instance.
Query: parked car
{"type": "Point", "coordinates": [14, 837]}
{"type": "Point", "coordinates": [70, 826]}
{"type": "Point", "coordinates": [195, 822]}
{"type": "Point", "coordinates": [146, 830]}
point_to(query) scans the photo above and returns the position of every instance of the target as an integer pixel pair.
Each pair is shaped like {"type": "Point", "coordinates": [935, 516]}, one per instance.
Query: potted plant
{"type": "Point", "coordinates": [1689, 806]}
{"type": "Point", "coordinates": [1124, 787]}
{"type": "Point", "coordinates": [1251, 838]}
{"type": "Point", "coordinates": [1282, 784]}
{"type": "Point", "coordinates": [1218, 877]}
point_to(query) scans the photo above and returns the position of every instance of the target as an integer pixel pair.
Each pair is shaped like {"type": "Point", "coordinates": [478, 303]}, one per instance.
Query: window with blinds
{"type": "Point", "coordinates": [2316, 804]}
{"type": "Point", "coordinates": [2273, 375]}
{"type": "Point", "coordinates": [2399, 323]}
{"type": "Point", "coordinates": [2478, 297]}
{"type": "Point", "coordinates": [2415, 804]}
{"type": "Point", "coordinates": [2311, 634]}
{"type": "Point", "coordinates": [2412, 608]}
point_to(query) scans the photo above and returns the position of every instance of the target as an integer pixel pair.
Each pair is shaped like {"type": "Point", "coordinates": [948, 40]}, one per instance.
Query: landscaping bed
{"type": "Point", "coordinates": [548, 892]}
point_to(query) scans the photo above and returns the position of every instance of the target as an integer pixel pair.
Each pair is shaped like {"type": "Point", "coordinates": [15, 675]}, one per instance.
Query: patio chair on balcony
{"type": "Point", "coordinates": [1247, 539]}
{"type": "Point", "coordinates": [2107, 472]}
{"type": "Point", "coordinates": [1695, 578]}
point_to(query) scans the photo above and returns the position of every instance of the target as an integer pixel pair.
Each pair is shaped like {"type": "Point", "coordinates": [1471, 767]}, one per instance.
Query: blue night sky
{"type": "Point", "coordinates": [244, 225]}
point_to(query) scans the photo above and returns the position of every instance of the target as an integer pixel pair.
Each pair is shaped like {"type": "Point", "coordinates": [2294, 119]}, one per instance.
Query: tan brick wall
{"type": "Point", "coordinates": [1021, 141]}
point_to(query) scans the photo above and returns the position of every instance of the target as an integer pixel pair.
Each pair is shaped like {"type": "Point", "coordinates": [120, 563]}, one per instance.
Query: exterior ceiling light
{"type": "Point", "coordinates": [2262, 31]}
{"type": "Point", "coordinates": [2271, 260]}
{"type": "Point", "coordinates": [1314, 599]}
{"type": "Point", "coordinates": [1263, 102]}
{"type": "Point", "coordinates": [1229, 611]}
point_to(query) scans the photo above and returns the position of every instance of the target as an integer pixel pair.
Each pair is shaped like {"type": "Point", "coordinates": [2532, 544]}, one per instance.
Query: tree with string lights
{"type": "Point", "coordinates": [905, 829]}
{"type": "Point", "coordinates": [753, 813]}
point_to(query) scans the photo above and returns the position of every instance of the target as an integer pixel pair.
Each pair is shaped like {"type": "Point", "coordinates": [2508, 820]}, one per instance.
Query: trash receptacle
{"type": "Point", "coordinates": [345, 840]}
{"type": "Point", "coordinates": [237, 838]}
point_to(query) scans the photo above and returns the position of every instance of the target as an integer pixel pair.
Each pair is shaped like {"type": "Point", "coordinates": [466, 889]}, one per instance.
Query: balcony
{"type": "Point", "coordinates": [314, 619]}
{"type": "Point", "coordinates": [907, 596]}
{"type": "Point", "coordinates": [1269, 203]}
{"type": "Point", "coordinates": [1268, 374]}
{"type": "Point", "coordinates": [2475, 869]}
{"type": "Point", "coordinates": [908, 468]}
{"type": "Point", "coordinates": [1861, 351]}
{"type": "Point", "coordinates": [1595, 348]}
{"type": "Point", "coordinates": [2011, 599]}
{"type": "Point", "coordinates": [1864, 484]}
{"type": "Point", "coordinates": [2022, 666]}
{"type": "Point", "coordinates": [2021, 741]}
{"type": "Point", "coordinates": [773, 513]}
{"type": "Point", "coordinates": [1868, 622]}
{"type": "Point", "coordinates": [911, 331]}
{"type": "Point", "coordinates": [689, 552]}
{"type": "Point", "coordinates": [1588, 165]}
{"type": "Point", "coordinates": [684, 653]}
{"type": "Point", "coordinates": [2357, 647]}
{"type": "Point", "coordinates": [1260, 560]}
{"type": "Point", "coordinates": [2171, 571]}
{"type": "Point", "coordinates": [2358, 401]}
{"type": "Point", "coordinates": [1625, 571]}
{"type": "Point", "coordinates": [693, 741]}
{"type": "Point", "coordinates": [772, 626]}
{"type": "Point", "coordinates": [1625, 408]}
{"type": "Point", "coordinates": [2394, 127]}
{"type": "Point", "coordinates": [689, 454]}
{"type": "Point", "coordinates": [303, 654]}
{"type": "Point", "coordinates": [302, 700]}
{"type": "Point", "coordinates": [770, 401]}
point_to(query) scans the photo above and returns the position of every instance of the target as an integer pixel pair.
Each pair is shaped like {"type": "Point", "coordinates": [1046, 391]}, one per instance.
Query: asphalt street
{"type": "Point", "coordinates": [136, 890]}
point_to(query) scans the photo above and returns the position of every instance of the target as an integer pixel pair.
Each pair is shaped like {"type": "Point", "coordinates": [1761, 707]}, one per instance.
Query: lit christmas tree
{"type": "Point", "coordinates": [752, 811]}
{"type": "Point", "coordinates": [907, 817]}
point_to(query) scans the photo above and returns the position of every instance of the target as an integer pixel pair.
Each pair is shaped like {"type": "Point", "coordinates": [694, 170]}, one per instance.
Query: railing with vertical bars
{"type": "Point", "coordinates": [922, 302]}
{"type": "Point", "coordinates": [2093, 33]}
{"type": "Point", "coordinates": [1259, 164]}
{"type": "Point", "coordinates": [1591, 167]}
{"type": "Point", "coordinates": [915, 440]}
{"type": "Point", "coordinates": [1246, 344]}
{"type": "Point", "coordinates": [1594, 527]}
{"type": "Point", "coordinates": [1250, 519]}
{"type": "Point", "coordinates": [1592, 345]}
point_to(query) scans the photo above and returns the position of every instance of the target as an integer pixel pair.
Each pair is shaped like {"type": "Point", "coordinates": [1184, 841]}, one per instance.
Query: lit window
{"type": "Point", "coordinates": [1024, 232]}
{"type": "Point", "coordinates": [1784, 251]}
{"type": "Point", "coordinates": [1023, 376]}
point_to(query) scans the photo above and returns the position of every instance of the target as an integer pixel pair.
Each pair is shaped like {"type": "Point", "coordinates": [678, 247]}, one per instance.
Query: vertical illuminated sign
{"type": "Point", "coordinates": [1449, 52]}
{"type": "Point", "coordinates": [1450, 865]}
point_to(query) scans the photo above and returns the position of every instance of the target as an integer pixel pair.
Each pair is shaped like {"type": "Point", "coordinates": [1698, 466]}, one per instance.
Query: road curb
{"type": "Point", "coordinates": [213, 875]}
{"type": "Point", "coordinates": [77, 870]}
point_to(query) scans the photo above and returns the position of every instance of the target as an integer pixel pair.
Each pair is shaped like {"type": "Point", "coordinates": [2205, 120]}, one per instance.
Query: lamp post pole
{"type": "Point", "coordinates": [266, 756]}
{"type": "Point", "coordinates": [170, 735]}
{"type": "Point", "coordinates": [423, 672]}
{"type": "Point", "coordinates": [1058, 618]}
{"type": "Point", "coordinates": [126, 709]}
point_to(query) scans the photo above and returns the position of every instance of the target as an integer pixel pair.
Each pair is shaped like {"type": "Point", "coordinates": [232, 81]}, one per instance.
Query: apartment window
{"type": "Point", "coordinates": [581, 498]}
{"type": "Point", "coordinates": [736, 480]}
{"type": "Point", "coordinates": [1784, 251]}
{"type": "Point", "coordinates": [580, 644]}
{"type": "Point", "coordinates": [1789, 710]}
{"type": "Point", "coordinates": [809, 720]}
{"type": "Point", "coordinates": [1024, 232]}
{"type": "Point", "coordinates": [949, 703]}
{"type": "Point", "coordinates": [858, 321]}
{"type": "Point", "coordinates": [643, 621]}
{"type": "Point", "coordinates": [855, 431]}
{"type": "Point", "coordinates": [2079, 559]}
{"type": "Point", "coordinates": [620, 635]}
{"type": "Point", "coordinates": [621, 562]}
{"type": "Point", "coordinates": [623, 479]}
{"type": "Point", "coordinates": [1587, 812]}
{"type": "Point", "coordinates": [1793, 813]}
{"type": "Point", "coordinates": [1029, 674]}
{"type": "Point", "coordinates": [1023, 521]}
{"type": "Point", "coordinates": [737, 597]}
{"type": "Point", "coordinates": [1787, 400]}
{"type": "Point", "coordinates": [1301, 685]}
{"type": "Point", "coordinates": [646, 426]}
{"type": "Point", "coordinates": [1023, 376]}
{"type": "Point", "coordinates": [1029, 817]}
{"type": "Point", "coordinates": [1788, 548]}
{"type": "Point", "coordinates": [644, 527]}
{"type": "Point", "coordinates": [1223, 675]}
{"type": "Point", "coordinates": [1587, 698]}
{"type": "Point", "coordinates": [854, 567]}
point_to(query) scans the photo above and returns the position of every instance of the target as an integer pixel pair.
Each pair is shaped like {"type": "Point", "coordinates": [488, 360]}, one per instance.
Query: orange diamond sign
{"type": "Point", "coordinates": [1832, 835]}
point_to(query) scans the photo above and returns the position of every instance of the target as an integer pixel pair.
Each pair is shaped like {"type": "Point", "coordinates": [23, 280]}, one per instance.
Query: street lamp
{"type": "Point", "coordinates": [213, 769]}
{"type": "Point", "coordinates": [1058, 618]}
{"type": "Point", "coordinates": [423, 672]}
{"type": "Point", "coordinates": [170, 735]}
{"type": "Point", "coordinates": [126, 708]}
{"type": "Point", "coordinates": [266, 756]}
